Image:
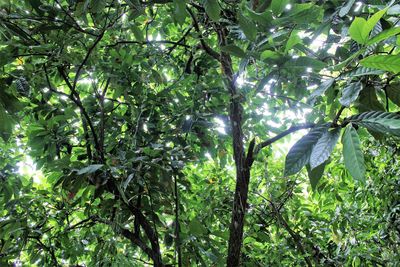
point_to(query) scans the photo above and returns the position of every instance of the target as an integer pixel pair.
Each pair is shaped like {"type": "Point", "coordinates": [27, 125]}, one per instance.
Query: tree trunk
{"type": "Point", "coordinates": [242, 165]}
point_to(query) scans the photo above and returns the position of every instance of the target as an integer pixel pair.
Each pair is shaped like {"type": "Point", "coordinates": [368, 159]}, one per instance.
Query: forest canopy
{"type": "Point", "coordinates": [199, 133]}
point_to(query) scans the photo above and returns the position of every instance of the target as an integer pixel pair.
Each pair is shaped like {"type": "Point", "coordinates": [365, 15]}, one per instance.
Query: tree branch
{"type": "Point", "coordinates": [204, 45]}
{"type": "Point", "coordinates": [78, 71]}
{"type": "Point", "coordinates": [281, 135]}
{"type": "Point", "coordinates": [178, 43]}
{"type": "Point", "coordinates": [129, 235]}
{"type": "Point", "coordinates": [296, 237]}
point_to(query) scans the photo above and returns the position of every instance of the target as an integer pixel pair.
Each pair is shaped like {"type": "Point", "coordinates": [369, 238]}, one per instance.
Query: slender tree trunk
{"type": "Point", "coordinates": [242, 165]}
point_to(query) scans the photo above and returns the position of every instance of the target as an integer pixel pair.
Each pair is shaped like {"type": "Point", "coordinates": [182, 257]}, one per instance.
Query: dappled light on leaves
{"type": "Point", "coordinates": [199, 133]}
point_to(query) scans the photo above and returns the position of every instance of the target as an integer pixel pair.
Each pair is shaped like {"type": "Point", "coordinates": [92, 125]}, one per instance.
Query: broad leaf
{"type": "Point", "coordinates": [249, 29]}
{"type": "Point", "coordinates": [352, 154]}
{"type": "Point", "coordinates": [393, 92]}
{"type": "Point", "coordinates": [382, 62]}
{"type": "Point", "coordinates": [371, 22]}
{"type": "Point", "coordinates": [324, 147]}
{"type": "Point", "coordinates": [90, 169]}
{"type": "Point", "coordinates": [322, 88]}
{"type": "Point", "coordinates": [306, 62]}
{"type": "Point", "coordinates": [292, 41]}
{"type": "Point", "coordinates": [197, 228]}
{"type": "Point", "coordinates": [350, 93]}
{"type": "Point", "coordinates": [360, 28]}
{"type": "Point", "coordinates": [383, 122]}
{"type": "Point", "coordinates": [278, 6]}
{"type": "Point", "coordinates": [346, 8]}
{"type": "Point", "coordinates": [362, 71]}
{"type": "Point", "coordinates": [233, 50]}
{"type": "Point", "coordinates": [368, 100]}
{"type": "Point", "coordinates": [6, 124]}
{"type": "Point", "coordinates": [314, 175]}
{"type": "Point", "coordinates": [180, 11]}
{"type": "Point", "coordinates": [269, 54]}
{"type": "Point", "coordinates": [137, 32]}
{"type": "Point", "coordinates": [356, 30]}
{"type": "Point", "coordinates": [299, 154]}
{"type": "Point", "coordinates": [212, 9]}
{"type": "Point", "coordinates": [384, 35]}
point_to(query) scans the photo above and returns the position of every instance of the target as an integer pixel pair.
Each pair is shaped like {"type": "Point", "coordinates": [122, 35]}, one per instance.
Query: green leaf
{"type": "Point", "coordinates": [362, 71]}
{"type": "Point", "coordinates": [383, 122]}
{"type": "Point", "coordinates": [382, 62]}
{"type": "Point", "coordinates": [180, 11]}
{"type": "Point", "coordinates": [249, 29]}
{"type": "Point", "coordinates": [314, 175]}
{"type": "Point", "coordinates": [371, 22]}
{"type": "Point", "coordinates": [368, 100]}
{"type": "Point", "coordinates": [293, 40]}
{"type": "Point", "coordinates": [90, 169]}
{"type": "Point", "coordinates": [356, 30]}
{"type": "Point", "coordinates": [324, 147]}
{"type": "Point", "coordinates": [360, 28]}
{"type": "Point", "coordinates": [233, 50]}
{"type": "Point", "coordinates": [393, 92]}
{"type": "Point", "coordinates": [299, 154]}
{"type": "Point", "coordinates": [350, 93]}
{"type": "Point", "coordinates": [197, 228]}
{"type": "Point", "coordinates": [212, 9]}
{"type": "Point", "coordinates": [306, 62]}
{"type": "Point", "coordinates": [6, 124]}
{"type": "Point", "coordinates": [278, 6]}
{"type": "Point", "coordinates": [322, 88]}
{"type": "Point", "coordinates": [346, 8]}
{"type": "Point", "coordinates": [137, 32]}
{"type": "Point", "coordinates": [269, 54]}
{"type": "Point", "coordinates": [352, 154]}
{"type": "Point", "coordinates": [384, 35]}
{"type": "Point", "coordinates": [394, 10]}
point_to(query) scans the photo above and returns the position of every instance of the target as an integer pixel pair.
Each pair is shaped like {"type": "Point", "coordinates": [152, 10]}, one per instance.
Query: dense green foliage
{"type": "Point", "coordinates": [124, 123]}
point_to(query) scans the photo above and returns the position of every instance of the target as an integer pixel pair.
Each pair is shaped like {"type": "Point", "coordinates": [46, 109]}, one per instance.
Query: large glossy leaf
{"type": "Point", "coordinates": [383, 122]}
{"type": "Point", "coordinates": [299, 154]}
{"type": "Point", "coordinates": [324, 147]}
{"type": "Point", "coordinates": [352, 154]}
{"type": "Point", "coordinates": [382, 62]}
{"type": "Point", "coordinates": [350, 93]}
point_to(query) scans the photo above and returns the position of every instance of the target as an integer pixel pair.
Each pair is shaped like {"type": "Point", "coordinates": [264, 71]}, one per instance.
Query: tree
{"type": "Point", "coordinates": [138, 114]}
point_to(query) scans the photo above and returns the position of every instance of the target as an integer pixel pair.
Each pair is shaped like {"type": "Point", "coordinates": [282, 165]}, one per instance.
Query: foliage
{"type": "Point", "coordinates": [168, 132]}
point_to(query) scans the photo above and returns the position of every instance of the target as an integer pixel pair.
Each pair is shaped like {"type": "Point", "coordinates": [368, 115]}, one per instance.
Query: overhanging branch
{"type": "Point", "coordinates": [283, 134]}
